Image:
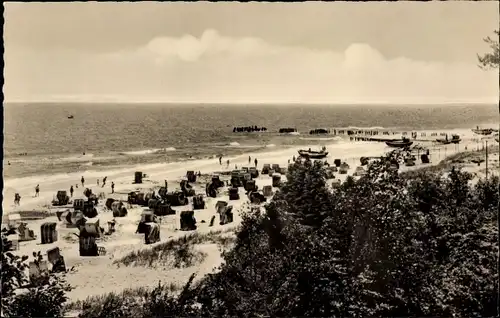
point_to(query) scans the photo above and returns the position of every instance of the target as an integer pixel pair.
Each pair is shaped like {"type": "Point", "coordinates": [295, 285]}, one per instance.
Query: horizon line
{"type": "Point", "coordinates": [257, 103]}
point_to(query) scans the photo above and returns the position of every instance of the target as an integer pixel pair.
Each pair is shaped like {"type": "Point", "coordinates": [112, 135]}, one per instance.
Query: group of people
{"type": "Point", "coordinates": [82, 180]}
{"type": "Point", "coordinates": [249, 161]}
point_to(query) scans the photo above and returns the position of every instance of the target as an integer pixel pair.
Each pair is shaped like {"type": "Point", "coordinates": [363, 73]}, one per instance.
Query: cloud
{"type": "Point", "coordinates": [218, 68]}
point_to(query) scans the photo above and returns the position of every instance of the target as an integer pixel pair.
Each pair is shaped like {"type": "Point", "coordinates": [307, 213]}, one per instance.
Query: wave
{"type": "Point", "coordinates": [367, 128]}
{"type": "Point", "coordinates": [85, 157]}
{"type": "Point", "coordinates": [321, 139]}
{"type": "Point", "coordinates": [148, 151]}
{"type": "Point", "coordinates": [270, 146]}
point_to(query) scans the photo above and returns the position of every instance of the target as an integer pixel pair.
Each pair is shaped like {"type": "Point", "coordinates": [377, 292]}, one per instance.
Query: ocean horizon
{"type": "Point", "coordinates": [39, 137]}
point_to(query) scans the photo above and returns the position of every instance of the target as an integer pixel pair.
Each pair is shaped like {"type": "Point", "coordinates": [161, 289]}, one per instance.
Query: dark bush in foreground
{"type": "Point", "coordinates": [386, 245]}
{"type": "Point", "coordinates": [21, 299]}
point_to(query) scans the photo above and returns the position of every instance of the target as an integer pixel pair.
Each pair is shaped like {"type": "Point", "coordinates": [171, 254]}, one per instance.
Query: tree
{"type": "Point", "coordinates": [492, 59]}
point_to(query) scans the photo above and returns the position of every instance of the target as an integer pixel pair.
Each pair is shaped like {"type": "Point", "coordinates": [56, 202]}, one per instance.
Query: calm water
{"type": "Point", "coordinates": [107, 132]}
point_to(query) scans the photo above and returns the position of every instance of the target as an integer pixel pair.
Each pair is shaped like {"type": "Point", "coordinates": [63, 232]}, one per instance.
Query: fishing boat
{"type": "Point", "coordinates": [484, 132]}
{"type": "Point", "coordinates": [455, 139]}
{"type": "Point", "coordinates": [313, 154]}
{"type": "Point", "coordinates": [399, 143]}
{"type": "Point", "coordinates": [70, 117]}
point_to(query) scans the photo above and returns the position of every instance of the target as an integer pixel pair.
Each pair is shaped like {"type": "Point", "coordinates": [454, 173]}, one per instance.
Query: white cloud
{"type": "Point", "coordinates": [217, 68]}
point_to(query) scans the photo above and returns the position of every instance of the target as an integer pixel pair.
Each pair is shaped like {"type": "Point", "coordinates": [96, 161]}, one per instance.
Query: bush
{"type": "Point", "coordinates": [389, 244]}
{"type": "Point", "coordinates": [20, 299]}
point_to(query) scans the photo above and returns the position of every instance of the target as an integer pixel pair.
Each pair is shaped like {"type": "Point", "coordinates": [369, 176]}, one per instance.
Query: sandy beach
{"type": "Point", "coordinates": [98, 275]}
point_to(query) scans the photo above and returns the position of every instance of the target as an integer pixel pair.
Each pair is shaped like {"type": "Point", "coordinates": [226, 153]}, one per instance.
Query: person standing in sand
{"type": "Point", "coordinates": [104, 181]}
{"type": "Point", "coordinates": [220, 160]}
{"type": "Point", "coordinates": [112, 187]}
{"type": "Point", "coordinates": [71, 190]}
{"type": "Point", "coordinates": [249, 159]}
{"type": "Point", "coordinates": [97, 182]}
{"type": "Point", "coordinates": [83, 181]}
{"type": "Point", "coordinates": [255, 162]}
{"type": "Point", "coordinates": [37, 190]}
{"type": "Point", "coordinates": [228, 163]}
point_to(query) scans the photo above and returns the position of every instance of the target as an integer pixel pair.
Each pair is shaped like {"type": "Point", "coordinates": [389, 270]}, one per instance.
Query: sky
{"type": "Point", "coordinates": [202, 52]}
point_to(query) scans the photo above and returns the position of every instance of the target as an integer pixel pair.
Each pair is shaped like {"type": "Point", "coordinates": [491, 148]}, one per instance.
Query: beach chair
{"type": "Point", "coordinates": [337, 162]}
{"type": "Point", "coordinates": [250, 185]}
{"type": "Point", "coordinates": [198, 202]}
{"type": "Point", "coordinates": [233, 194]}
{"type": "Point", "coordinates": [163, 209]}
{"type": "Point", "coordinates": [48, 232]}
{"type": "Point", "coordinates": [267, 191]}
{"type": "Point", "coordinates": [176, 198]}
{"type": "Point", "coordinates": [109, 202]}
{"type": "Point", "coordinates": [89, 210]}
{"type": "Point", "coordinates": [226, 215]}
{"type": "Point", "coordinates": [191, 176]}
{"type": "Point", "coordinates": [254, 173]}
{"type": "Point", "coordinates": [78, 204]}
{"type": "Point", "coordinates": [152, 233]}
{"type": "Point", "coordinates": [424, 158]}
{"type": "Point", "coordinates": [265, 168]}
{"type": "Point", "coordinates": [88, 245]}
{"type": "Point", "coordinates": [146, 217]}
{"type": "Point", "coordinates": [276, 180]}
{"type": "Point", "coordinates": [220, 205]}
{"type": "Point", "coordinates": [188, 222]}
{"type": "Point", "coordinates": [336, 184]}
{"type": "Point", "coordinates": [138, 177]}
{"type": "Point", "coordinates": [256, 197]}
{"type": "Point", "coordinates": [25, 234]}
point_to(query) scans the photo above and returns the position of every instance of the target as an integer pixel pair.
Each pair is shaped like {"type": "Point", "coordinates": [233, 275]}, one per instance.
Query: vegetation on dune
{"type": "Point", "coordinates": [22, 298]}
{"type": "Point", "coordinates": [178, 252]}
{"type": "Point", "coordinates": [388, 244]}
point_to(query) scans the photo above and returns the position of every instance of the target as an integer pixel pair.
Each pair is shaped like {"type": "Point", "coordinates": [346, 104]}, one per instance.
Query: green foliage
{"type": "Point", "coordinates": [46, 298]}
{"type": "Point", "coordinates": [492, 59]}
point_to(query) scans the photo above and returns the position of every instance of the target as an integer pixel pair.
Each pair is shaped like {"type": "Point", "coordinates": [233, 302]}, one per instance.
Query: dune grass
{"type": "Point", "coordinates": [178, 252]}
{"type": "Point", "coordinates": [128, 293]}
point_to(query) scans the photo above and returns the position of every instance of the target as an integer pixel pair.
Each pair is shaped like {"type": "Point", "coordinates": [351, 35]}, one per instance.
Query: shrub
{"type": "Point", "coordinates": [20, 299]}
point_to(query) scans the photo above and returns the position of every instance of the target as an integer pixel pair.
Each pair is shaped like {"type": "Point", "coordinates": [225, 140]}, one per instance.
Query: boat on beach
{"type": "Point", "coordinates": [313, 154]}
{"type": "Point", "coordinates": [484, 131]}
{"type": "Point", "coordinates": [455, 139]}
{"type": "Point", "coordinates": [70, 117]}
{"type": "Point", "coordinates": [399, 143]}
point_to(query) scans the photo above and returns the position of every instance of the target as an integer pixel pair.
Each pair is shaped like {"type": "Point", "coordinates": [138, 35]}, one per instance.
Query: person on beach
{"type": "Point", "coordinates": [37, 190]}
{"type": "Point", "coordinates": [288, 161]}
{"type": "Point", "coordinates": [255, 162]}
{"type": "Point", "coordinates": [71, 190]}
{"type": "Point", "coordinates": [220, 160]}
{"type": "Point", "coordinates": [249, 159]}
{"type": "Point", "coordinates": [17, 199]}
{"type": "Point", "coordinates": [112, 187]}
{"type": "Point", "coordinates": [83, 181]}
{"type": "Point", "coordinates": [228, 163]}
{"type": "Point", "coordinates": [166, 185]}
{"type": "Point", "coordinates": [97, 182]}
{"type": "Point", "coordinates": [293, 158]}
{"type": "Point", "coordinates": [104, 181]}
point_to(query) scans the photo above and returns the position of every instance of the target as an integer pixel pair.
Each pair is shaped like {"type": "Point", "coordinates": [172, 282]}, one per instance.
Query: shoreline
{"type": "Point", "coordinates": [244, 143]}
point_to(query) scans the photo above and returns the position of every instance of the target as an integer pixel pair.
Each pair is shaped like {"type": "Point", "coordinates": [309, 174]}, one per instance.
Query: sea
{"type": "Point", "coordinates": [39, 138]}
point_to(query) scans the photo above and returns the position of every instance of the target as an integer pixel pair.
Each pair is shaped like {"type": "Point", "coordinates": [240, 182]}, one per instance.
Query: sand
{"type": "Point", "coordinates": [98, 275]}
